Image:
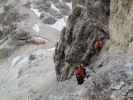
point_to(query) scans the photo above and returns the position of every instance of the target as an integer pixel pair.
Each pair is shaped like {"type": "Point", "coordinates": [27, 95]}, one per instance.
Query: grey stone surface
{"type": "Point", "coordinates": [60, 8]}
{"type": "Point", "coordinates": [114, 81]}
{"type": "Point", "coordinates": [28, 70]}
{"type": "Point", "coordinates": [16, 25]}
{"type": "Point", "coordinates": [121, 26]}
{"type": "Point", "coordinates": [77, 40]}
{"type": "Point", "coordinates": [49, 20]}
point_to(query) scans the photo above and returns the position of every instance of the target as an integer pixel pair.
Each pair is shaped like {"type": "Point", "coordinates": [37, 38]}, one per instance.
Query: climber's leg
{"type": "Point", "coordinates": [80, 80]}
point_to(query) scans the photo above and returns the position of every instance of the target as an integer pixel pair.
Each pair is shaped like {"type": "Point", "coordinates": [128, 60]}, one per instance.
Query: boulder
{"type": "Point", "coordinates": [114, 81]}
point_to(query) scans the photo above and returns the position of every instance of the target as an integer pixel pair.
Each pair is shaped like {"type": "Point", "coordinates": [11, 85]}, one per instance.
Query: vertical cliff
{"type": "Point", "coordinates": [88, 21]}
{"type": "Point", "coordinates": [113, 79]}
{"type": "Point", "coordinates": [121, 26]}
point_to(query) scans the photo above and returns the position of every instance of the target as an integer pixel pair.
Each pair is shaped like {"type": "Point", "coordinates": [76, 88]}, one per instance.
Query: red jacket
{"type": "Point", "coordinates": [99, 44]}
{"type": "Point", "coordinates": [80, 72]}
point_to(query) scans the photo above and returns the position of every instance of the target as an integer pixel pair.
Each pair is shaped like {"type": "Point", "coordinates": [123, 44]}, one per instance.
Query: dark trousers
{"type": "Point", "coordinates": [98, 50]}
{"type": "Point", "coordinates": [80, 80]}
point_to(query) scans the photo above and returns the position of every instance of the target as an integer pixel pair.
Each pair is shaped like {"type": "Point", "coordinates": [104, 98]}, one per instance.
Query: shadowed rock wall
{"type": "Point", "coordinates": [84, 25]}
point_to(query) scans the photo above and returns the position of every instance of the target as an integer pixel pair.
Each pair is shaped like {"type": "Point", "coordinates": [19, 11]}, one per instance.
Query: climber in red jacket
{"type": "Point", "coordinates": [99, 44]}
{"type": "Point", "coordinates": [80, 73]}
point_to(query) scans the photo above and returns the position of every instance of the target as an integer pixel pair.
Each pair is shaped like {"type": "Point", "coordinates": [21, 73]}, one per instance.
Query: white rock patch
{"type": "Point", "coordinates": [54, 7]}
{"type": "Point", "coordinates": [51, 49]}
{"type": "Point", "coordinates": [60, 24]}
{"type": "Point", "coordinates": [36, 11]}
{"type": "Point", "coordinates": [36, 28]}
{"type": "Point", "coordinates": [70, 5]}
{"type": "Point", "coordinates": [15, 60]}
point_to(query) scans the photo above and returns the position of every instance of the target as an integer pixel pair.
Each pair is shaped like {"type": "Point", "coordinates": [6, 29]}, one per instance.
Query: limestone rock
{"type": "Point", "coordinates": [121, 24]}
{"type": "Point", "coordinates": [77, 40]}
{"type": "Point", "coordinates": [114, 81]}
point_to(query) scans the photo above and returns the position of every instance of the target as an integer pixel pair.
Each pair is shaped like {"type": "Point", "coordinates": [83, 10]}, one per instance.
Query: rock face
{"type": "Point", "coordinates": [52, 10]}
{"type": "Point", "coordinates": [17, 22]}
{"type": "Point", "coordinates": [121, 25]}
{"type": "Point", "coordinates": [76, 2]}
{"type": "Point", "coordinates": [9, 36]}
{"type": "Point", "coordinates": [113, 79]}
{"type": "Point", "coordinates": [26, 48]}
{"type": "Point", "coordinates": [87, 22]}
